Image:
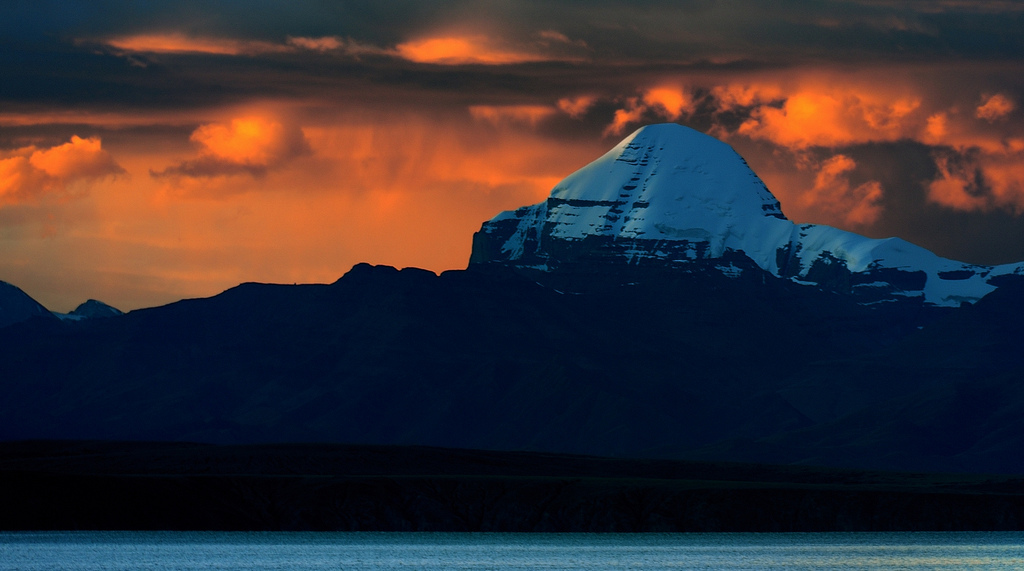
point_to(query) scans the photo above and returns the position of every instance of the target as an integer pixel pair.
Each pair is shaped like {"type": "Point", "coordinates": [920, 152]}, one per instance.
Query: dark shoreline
{"type": "Point", "coordinates": [51, 485]}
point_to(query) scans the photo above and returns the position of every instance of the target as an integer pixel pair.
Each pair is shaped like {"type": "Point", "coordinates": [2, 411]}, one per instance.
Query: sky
{"type": "Point", "coordinates": [154, 151]}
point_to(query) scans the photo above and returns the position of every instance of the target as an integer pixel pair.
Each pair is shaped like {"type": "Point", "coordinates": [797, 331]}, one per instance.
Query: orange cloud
{"type": "Point", "coordinates": [496, 114]}
{"type": "Point", "coordinates": [456, 50]}
{"type": "Point", "coordinates": [1005, 177]}
{"type": "Point", "coordinates": [442, 50]}
{"type": "Point", "coordinates": [176, 42]}
{"type": "Point", "coordinates": [995, 107]}
{"type": "Point", "coordinates": [958, 183]}
{"type": "Point", "coordinates": [823, 110]}
{"type": "Point", "coordinates": [977, 166]}
{"type": "Point", "coordinates": [576, 106]}
{"type": "Point", "coordinates": [625, 117]}
{"type": "Point", "coordinates": [30, 173]}
{"type": "Point", "coordinates": [671, 103]}
{"type": "Point", "coordinates": [734, 95]}
{"type": "Point", "coordinates": [102, 119]}
{"type": "Point", "coordinates": [971, 179]}
{"type": "Point", "coordinates": [833, 194]}
{"type": "Point", "coordinates": [830, 117]}
{"type": "Point", "coordinates": [936, 128]}
{"type": "Point", "coordinates": [244, 145]}
{"type": "Point", "coordinates": [248, 140]}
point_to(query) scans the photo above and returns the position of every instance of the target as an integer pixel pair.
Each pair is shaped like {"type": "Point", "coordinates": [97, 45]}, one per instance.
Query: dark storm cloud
{"type": "Point", "coordinates": [611, 28]}
{"type": "Point", "coordinates": [54, 52]}
{"type": "Point", "coordinates": [783, 32]}
{"type": "Point", "coordinates": [996, 237]}
{"type": "Point", "coordinates": [34, 21]}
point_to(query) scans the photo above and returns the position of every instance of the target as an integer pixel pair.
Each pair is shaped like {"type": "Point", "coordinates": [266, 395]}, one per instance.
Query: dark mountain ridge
{"type": "Point", "coordinates": [678, 366]}
{"type": "Point", "coordinates": [17, 306]}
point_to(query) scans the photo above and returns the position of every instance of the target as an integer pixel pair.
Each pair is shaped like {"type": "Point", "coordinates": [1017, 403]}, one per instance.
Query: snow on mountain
{"type": "Point", "coordinates": [670, 195]}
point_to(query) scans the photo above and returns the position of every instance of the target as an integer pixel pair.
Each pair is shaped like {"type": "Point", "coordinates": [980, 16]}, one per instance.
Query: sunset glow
{"type": "Point", "coordinates": [171, 154]}
{"type": "Point", "coordinates": [181, 43]}
{"type": "Point", "coordinates": [461, 50]}
{"type": "Point", "coordinates": [30, 174]}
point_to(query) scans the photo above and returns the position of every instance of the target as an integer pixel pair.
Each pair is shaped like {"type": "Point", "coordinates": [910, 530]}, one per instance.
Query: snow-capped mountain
{"type": "Point", "coordinates": [90, 309]}
{"type": "Point", "coordinates": [670, 196]}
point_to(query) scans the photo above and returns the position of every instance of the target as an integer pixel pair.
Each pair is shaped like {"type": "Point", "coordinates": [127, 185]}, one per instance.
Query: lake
{"type": "Point", "coordinates": [96, 550]}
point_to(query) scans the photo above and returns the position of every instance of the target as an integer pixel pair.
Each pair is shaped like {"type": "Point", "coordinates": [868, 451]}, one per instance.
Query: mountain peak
{"type": "Point", "coordinates": [94, 308]}
{"type": "Point", "coordinates": [669, 196]}
{"type": "Point", "coordinates": [661, 182]}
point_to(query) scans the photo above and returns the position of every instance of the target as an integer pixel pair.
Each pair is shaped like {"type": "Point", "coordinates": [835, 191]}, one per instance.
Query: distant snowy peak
{"type": "Point", "coordinates": [670, 196]}
{"type": "Point", "coordinates": [96, 308]}
{"type": "Point", "coordinates": [90, 309]}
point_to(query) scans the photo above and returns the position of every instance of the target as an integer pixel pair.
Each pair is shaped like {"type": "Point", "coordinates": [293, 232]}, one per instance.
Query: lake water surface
{"type": "Point", "coordinates": [357, 551]}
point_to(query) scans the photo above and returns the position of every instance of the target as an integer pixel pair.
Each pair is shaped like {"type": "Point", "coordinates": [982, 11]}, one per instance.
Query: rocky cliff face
{"type": "Point", "coordinates": [670, 197]}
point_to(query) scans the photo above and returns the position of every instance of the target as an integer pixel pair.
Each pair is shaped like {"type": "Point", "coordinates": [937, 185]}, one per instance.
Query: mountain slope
{"type": "Point", "coordinates": [493, 352]}
{"type": "Point", "coordinates": [682, 365]}
{"type": "Point", "coordinates": [16, 306]}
